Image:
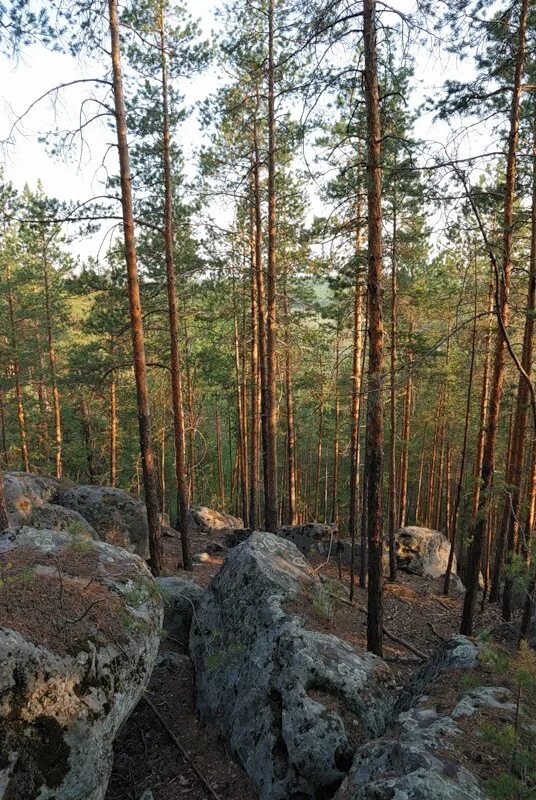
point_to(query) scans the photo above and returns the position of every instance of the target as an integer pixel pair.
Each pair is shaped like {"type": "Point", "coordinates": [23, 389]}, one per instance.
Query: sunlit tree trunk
{"type": "Point", "coordinates": [270, 488]}
{"type": "Point", "coordinates": [56, 405]}
{"type": "Point", "coordinates": [179, 434]}
{"type": "Point", "coordinates": [512, 506]}
{"type": "Point", "coordinates": [374, 447]}
{"type": "Point", "coordinates": [502, 295]}
{"type": "Point", "coordinates": [404, 457]}
{"type": "Point", "coordinates": [136, 319]}
{"type": "Point", "coordinates": [15, 360]}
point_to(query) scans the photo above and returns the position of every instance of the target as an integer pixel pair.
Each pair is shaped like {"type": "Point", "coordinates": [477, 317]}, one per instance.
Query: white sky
{"type": "Point", "coordinates": [38, 69]}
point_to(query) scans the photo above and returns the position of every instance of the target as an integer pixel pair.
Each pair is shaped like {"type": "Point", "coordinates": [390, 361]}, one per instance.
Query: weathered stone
{"type": "Point", "coordinates": [417, 761]}
{"type": "Point", "coordinates": [79, 635]}
{"type": "Point", "coordinates": [456, 652]}
{"type": "Point", "coordinates": [207, 520]}
{"type": "Point", "coordinates": [50, 516]}
{"type": "Point", "coordinates": [423, 551]}
{"type": "Point", "coordinates": [118, 517]}
{"type": "Point", "coordinates": [26, 493]}
{"type": "Point", "coordinates": [216, 549]}
{"type": "Point", "coordinates": [274, 688]}
{"type": "Point", "coordinates": [233, 538]}
{"type": "Point", "coordinates": [181, 598]}
{"type": "Point", "coordinates": [413, 766]}
{"type": "Point", "coordinates": [313, 537]}
{"type": "Point", "coordinates": [497, 697]}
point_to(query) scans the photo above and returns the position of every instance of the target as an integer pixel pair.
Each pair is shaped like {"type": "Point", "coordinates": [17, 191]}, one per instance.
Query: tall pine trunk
{"type": "Point", "coordinates": [270, 487]}
{"type": "Point", "coordinates": [136, 319]}
{"type": "Point", "coordinates": [374, 446]}
{"type": "Point", "coordinates": [404, 456]}
{"type": "Point", "coordinates": [56, 405]}
{"type": "Point", "coordinates": [502, 292]}
{"type": "Point", "coordinates": [15, 360]}
{"type": "Point", "coordinates": [179, 433]}
{"type": "Point", "coordinates": [512, 505]}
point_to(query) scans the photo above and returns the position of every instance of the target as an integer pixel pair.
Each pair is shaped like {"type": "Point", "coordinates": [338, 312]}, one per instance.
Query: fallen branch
{"type": "Point", "coordinates": [422, 656]}
{"type": "Point", "coordinates": [211, 791]}
{"type": "Point", "coordinates": [435, 632]}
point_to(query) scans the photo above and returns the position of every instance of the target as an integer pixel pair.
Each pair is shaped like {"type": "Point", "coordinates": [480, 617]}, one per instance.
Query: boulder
{"type": "Point", "coordinates": [416, 759]}
{"type": "Point", "coordinates": [312, 537]}
{"type": "Point", "coordinates": [50, 516]}
{"type": "Point", "coordinates": [25, 493]}
{"type": "Point", "coordinates": [80, 630]}
{"type": "Point", "coordinates": [118, 517]}
{"type": "Point", "coordinates": [413, 766]}
{"type": "Point", "coordinates": [290, 701]}
{"type": "Point", "coordinates": [455, 653]}
{"type": "Point", "coordinates": [422, 551]}
{"type": "Point", "coordinates": [207, 520]}
{"type": "Point", "coordinates": [181, 598]}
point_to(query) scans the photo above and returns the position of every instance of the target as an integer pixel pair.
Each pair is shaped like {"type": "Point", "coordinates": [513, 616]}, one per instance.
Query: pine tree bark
{"type": "Point", "coordinates": [136, 319]}
{"type": "Point", "coordinates": [88, 440]}
{"type": "Point", "coordinates": [512, 505]}
{"type": "Point", "coordinates": [392, 398]}
{"type": "Point", "coordinates": [255, 397]}
{"type": "Point", "coordinates": [113, 429]}
{"type": "Point", "coordinates": [502, 297]}
{"type": "Point", "coordinates": [484, 398]}
{"type": "Point", "coordinates": [56, 405]}
{"type": "Point", "coordinates": [270, 488]}
{"type": "Point", "coordinates": [179, 433]}
{"type": "Point", "coordinates": [15, 360]}
{"type": "Point", "coordinates": [404, 456]}
{"type": "Point", "coordinates": [463, 455]}
{"type": "Point", "coordinates": [374, 448]}
{"type": "Point", "coordinates": [291, 430]}
{"type": "Point", "coordinates": [318, 456]}
{"type": "Point", "coordinates": [219, 455]}
{"type": "Point", "coordinates": [336, 444]}
{"type": "Point", "coordinates": [357, 385]}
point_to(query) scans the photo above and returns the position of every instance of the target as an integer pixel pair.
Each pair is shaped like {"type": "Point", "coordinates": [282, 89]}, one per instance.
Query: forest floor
{"type": "Point", "coordinates": [415, 611]}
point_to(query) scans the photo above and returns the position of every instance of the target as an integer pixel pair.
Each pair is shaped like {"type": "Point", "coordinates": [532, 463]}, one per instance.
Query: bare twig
{"type": "Point", "coordinates": [210, 790]}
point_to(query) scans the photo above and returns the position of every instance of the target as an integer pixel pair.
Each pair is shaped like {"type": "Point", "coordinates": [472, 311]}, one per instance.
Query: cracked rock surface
{"type": "Point", "coordinates": [275, 689]}
{"type": "Point", "coordinates": [80, 627]}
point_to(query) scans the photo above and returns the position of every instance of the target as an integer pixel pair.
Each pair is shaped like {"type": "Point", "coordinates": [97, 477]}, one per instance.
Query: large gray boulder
{"type": "Point", "coordinates": [312, 537]}
{"type": "Point", "coordinates": [422, 551]}
{"type": "Point", "coordinates": [207, 520]}
{"type": "Point", "coordinates": [25, 493]}
{"type": "Point", "coordinates": [414, 765]}
{"type": "Point", "coordinates": [181, 599]}
{"type": "Point", "coordinates": [416, 759]}
{"type": "Point", "coordinates": [277, 691]}
{"type": "Point", "coordinates": [79, 633]}
{"type": "Point", "coordinates": [118, 517]}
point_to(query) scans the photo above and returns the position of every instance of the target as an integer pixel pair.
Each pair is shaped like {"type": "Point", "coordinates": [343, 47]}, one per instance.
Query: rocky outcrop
{"type": "Point", "coordinates": [181, 598]}
{"type": "Point", "coordinates": [97, 512]}
{"type": "Point", "coordinates": [313, 537]}
{"type": "Point", "coordinates": [80, 629]}
{"type": "Point", "coordinates": [207, 520]}
{"type": "Point", "coordinates": [413, 766]}
{"type": "Point", "coordinates": [117, 516]}
{"type": "Point", "coordinates": [422, 551]}
{"type": "Point", "coordinates": [26, 493]}
{"type": "Point", "coordinates": [456, 652]}
{"type": "Point", "coordinates": [291, 702]}
{"type": "Point", "coordinates": [417, 759]}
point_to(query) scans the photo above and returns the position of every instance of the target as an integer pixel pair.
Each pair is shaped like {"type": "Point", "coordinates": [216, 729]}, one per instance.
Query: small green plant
{"type": "Point", "coordinates": [515, 741]}
{"type": "Point", "coordinates": [321, 603]}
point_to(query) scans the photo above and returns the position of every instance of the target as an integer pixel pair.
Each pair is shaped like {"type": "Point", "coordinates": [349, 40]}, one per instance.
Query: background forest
{"type": "Point", "coordinates": [252, 263]}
